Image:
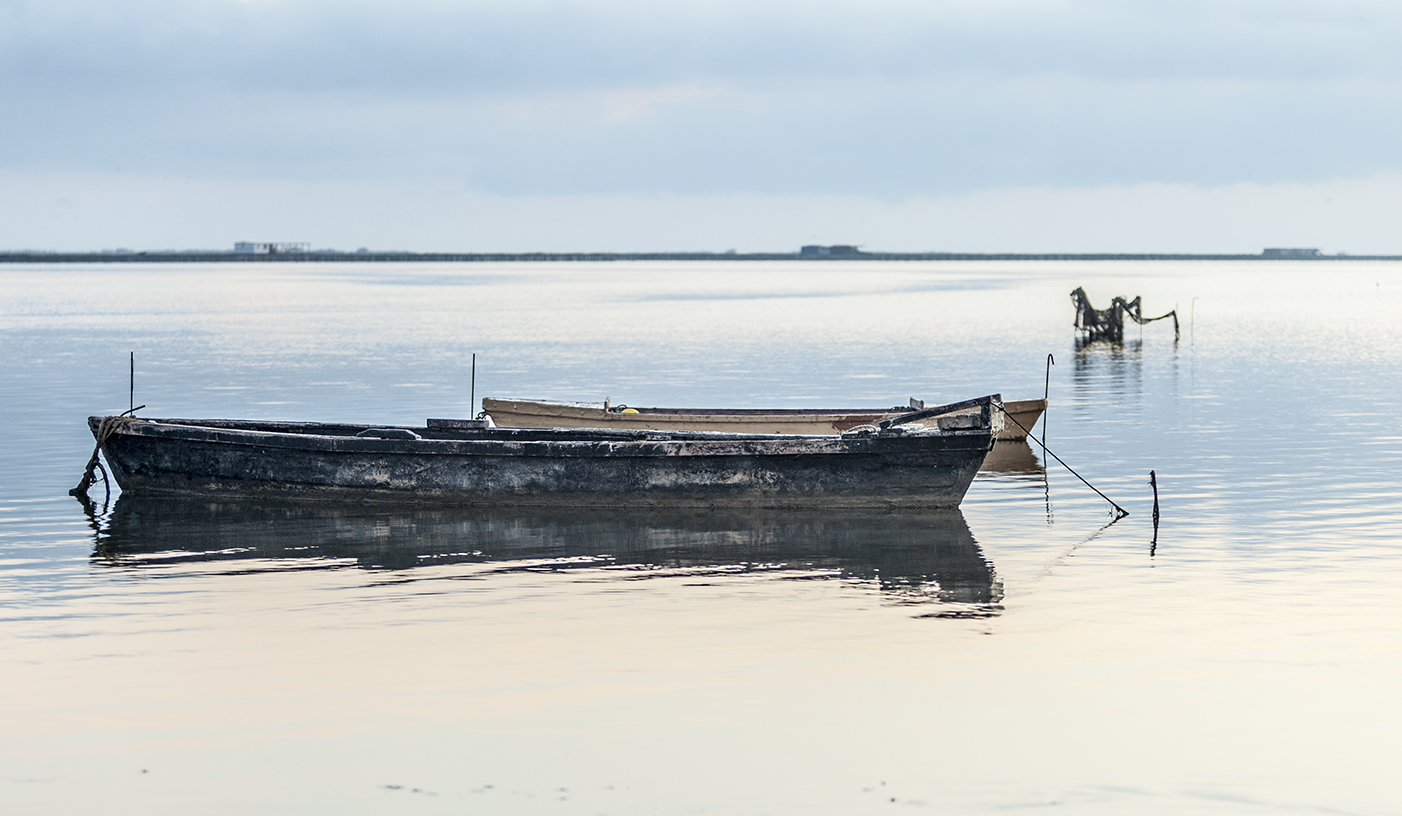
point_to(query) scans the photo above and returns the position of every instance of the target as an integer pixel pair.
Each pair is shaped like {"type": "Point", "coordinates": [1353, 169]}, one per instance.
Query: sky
{"type": "Point", "coordinates": [905, 125]}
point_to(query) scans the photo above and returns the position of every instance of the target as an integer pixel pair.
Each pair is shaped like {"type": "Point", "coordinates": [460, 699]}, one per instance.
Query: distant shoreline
{"type": "Point", "coordinates": [569, 257]}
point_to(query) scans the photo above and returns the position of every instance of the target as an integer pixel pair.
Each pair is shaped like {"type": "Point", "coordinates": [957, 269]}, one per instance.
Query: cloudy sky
{"type": "Point", "coordinates": [978, 125]}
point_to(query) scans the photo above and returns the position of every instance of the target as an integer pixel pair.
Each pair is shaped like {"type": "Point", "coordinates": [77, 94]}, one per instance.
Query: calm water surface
{"type": "Point", "coordinates": [1015, 656]}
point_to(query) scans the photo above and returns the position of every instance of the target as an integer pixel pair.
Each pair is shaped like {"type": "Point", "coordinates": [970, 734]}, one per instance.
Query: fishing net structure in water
{"type": "Point", "coordinates": [1109, 324]}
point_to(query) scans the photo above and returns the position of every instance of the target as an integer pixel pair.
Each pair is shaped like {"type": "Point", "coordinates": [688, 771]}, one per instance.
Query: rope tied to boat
{"type": "Point", "coordinates": [95, 467]}
{"type": "Point", "coordinates": [1119, 511]}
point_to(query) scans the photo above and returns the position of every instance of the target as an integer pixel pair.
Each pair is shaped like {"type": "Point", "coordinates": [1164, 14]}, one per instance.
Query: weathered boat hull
{"type": "Point", "coordinates": [502, 467]}
{"type": "Point", "coordinates": [514, 413]}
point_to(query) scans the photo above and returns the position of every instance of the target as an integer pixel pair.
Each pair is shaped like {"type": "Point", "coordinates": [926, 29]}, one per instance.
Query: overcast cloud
{"type": "Point", "coordinates": [888, 102]}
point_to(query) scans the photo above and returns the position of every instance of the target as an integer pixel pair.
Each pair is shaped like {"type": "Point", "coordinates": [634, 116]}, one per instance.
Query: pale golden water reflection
{"type": "Point", "coordinates": [1017, 656]}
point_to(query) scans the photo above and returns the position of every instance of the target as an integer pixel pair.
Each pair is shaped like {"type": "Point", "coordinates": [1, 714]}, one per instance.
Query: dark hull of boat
{"type": "Point", "coordinates": [500, 467]}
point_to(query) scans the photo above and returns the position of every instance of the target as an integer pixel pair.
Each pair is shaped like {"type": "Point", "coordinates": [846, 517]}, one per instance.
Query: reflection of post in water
{"type": "Point", "coordinates": [1097, 363]}
{"type": "Point", "coordinates": [927, 557]}
{"type": "Point", "coordinates": [1046, 493]}
{"type": "Point", "coordinates": [1013, 457]}
{"type": "Point", "coordinates": [1154, 544]}
{"type": "Point", "coordinates": [1046, 396]}
{"type": "Point", "coordinates": [1015, 460]}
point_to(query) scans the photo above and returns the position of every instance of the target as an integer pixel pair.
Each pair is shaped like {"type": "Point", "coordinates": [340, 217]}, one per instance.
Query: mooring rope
{"type": "Point", "coordinates": [1053, 563]}
{"type": "Point", "coordinates": [1118, 509]}
{"type": "Point", "coordinates": [95, 468]}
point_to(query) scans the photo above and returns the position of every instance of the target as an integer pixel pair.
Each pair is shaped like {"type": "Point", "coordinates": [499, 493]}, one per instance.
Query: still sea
{"type": "Point", "coordinates": [1022, 655]}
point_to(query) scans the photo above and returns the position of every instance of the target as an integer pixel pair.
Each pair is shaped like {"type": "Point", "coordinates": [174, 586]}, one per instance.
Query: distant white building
{"type": "Point", "coordinates": [835, 249]}
{"type": "Point", "coordinates": [273, 248]}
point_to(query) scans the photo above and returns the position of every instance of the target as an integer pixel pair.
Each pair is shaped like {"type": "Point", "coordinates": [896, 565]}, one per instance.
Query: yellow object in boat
{"type": "Point", "coordinates": [628, 411]}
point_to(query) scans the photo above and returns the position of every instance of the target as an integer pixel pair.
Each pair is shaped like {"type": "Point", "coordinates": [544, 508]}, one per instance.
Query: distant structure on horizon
{"type": "Point", "coordinates": [272, 248]}
{"type": "Point", "coordinates": [835, 249]}
{"type": "Point", "coordinates": [1281, 252]}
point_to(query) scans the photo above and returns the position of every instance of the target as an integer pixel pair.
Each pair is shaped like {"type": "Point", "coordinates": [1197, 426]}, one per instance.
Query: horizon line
{"type": "Point", "coordinates": [847, 253]}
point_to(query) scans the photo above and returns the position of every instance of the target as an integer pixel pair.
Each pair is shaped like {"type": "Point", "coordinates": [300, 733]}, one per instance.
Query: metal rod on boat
{"type": "Point", "coordinates": [131, 389]}
{"type": "Point", "coordinates": [472, 406]}
{"type": "Point", "coordinates": [1046, 399]}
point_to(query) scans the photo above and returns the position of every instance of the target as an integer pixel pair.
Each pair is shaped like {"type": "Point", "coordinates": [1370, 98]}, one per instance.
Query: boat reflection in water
{"type": "Point", "coordinates": [1013, 457]}
{"type": "Point", "coordinates": [924, 557]}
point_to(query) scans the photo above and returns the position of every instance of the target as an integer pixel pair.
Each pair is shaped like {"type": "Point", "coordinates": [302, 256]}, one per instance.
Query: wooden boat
{"type": "Point", "coordinates": [897, 462]}
{"type": "Point", "coordinates": [517, 413]}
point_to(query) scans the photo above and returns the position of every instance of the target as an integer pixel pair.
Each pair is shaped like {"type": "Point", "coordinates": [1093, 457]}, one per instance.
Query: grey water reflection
{"type": "Point", "coordinates": [1013, 457]}
{"type": "Point", "coordinates": [1122, 363]}
{"type": "Point", "coordinates": [910, 558]}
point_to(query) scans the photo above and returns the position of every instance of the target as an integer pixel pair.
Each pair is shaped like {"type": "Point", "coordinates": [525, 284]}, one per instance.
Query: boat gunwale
{"type": "Point", "coordinates": [536, 407]}
{"type": "Point", "coordinates": [519, 442]}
